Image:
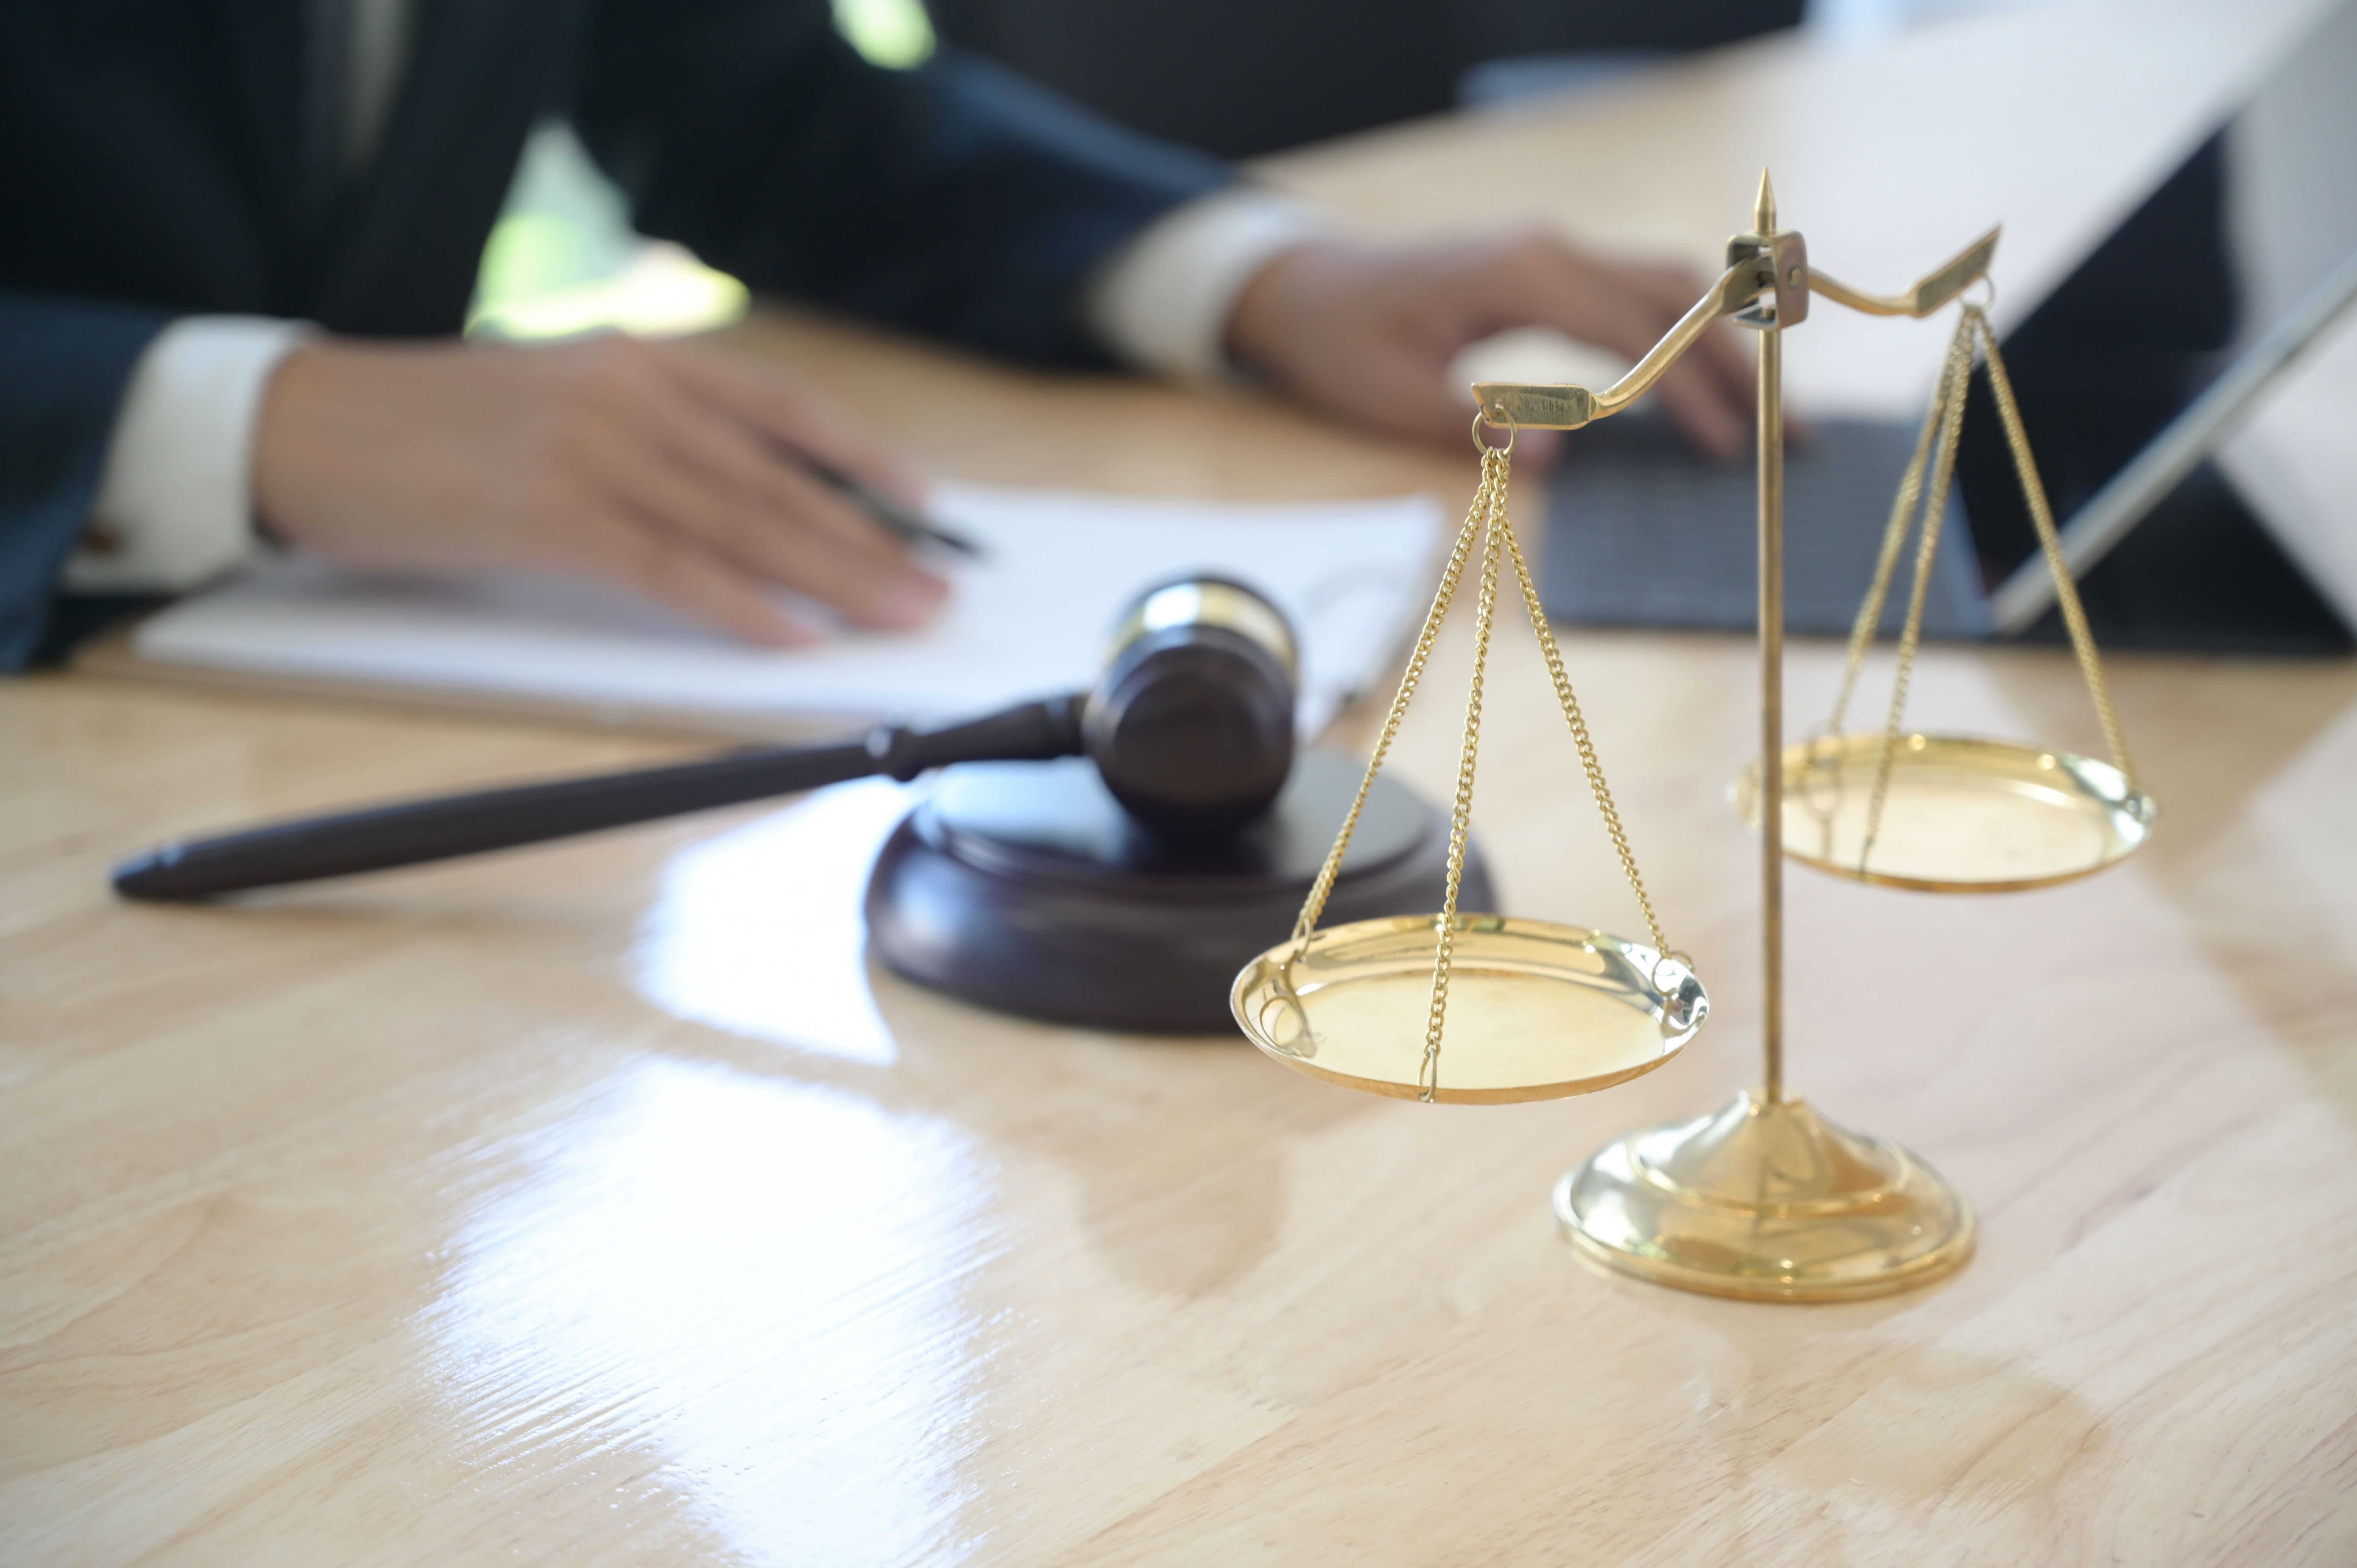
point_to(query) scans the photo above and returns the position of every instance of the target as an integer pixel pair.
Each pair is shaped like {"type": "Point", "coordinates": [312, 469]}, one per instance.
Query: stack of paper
{"type": "Point", "coordinates": [1030, 617]}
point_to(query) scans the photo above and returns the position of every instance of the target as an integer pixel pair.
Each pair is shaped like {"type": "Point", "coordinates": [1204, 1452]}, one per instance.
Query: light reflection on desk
{"type": "Point", "coordinates": [759, 931]}
{"type": "Point", "coordinates": [744, 1293]}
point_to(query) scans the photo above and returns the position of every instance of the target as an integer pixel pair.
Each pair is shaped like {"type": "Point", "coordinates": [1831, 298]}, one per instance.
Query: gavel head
{"type": "Point", "coordinates": [1191, 725]}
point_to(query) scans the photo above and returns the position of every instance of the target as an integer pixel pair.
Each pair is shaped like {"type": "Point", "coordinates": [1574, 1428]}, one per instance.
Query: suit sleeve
{"type": "Point", "coordinates": [64, 363]}
{"type": "Point", "coordinates": [954, 200]}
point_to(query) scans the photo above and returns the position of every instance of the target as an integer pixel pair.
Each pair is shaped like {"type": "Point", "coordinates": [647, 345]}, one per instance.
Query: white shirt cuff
{"type": "Point", "coordinates": [176, 498]}
{"type": "Point", "coordinates": [1162, 302]}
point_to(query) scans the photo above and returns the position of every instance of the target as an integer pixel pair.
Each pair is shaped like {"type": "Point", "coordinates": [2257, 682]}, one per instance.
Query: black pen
{"type": "Point", "coordinates": [897, 520]}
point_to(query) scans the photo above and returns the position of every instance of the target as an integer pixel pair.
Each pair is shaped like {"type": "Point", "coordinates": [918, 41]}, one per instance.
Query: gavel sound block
{"type": "Point", "coordinates": [1125, 887]}
{"type": "Point", "coordinates": [1026, 887]}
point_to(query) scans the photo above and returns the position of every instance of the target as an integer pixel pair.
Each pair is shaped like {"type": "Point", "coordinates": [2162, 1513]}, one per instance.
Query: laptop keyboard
{"type": "Point", "coordinates": [1643, 531]}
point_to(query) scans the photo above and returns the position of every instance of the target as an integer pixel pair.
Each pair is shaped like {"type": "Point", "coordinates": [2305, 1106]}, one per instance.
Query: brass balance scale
{"type": "Point", "coordinates": [1763, 1198]}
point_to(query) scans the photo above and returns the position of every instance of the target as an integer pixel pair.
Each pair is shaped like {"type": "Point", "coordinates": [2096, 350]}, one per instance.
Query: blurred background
{"type": "Point", "coordinates": [1238, 78]}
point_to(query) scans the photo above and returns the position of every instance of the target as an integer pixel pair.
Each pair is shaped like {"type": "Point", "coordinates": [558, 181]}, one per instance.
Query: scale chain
{"type": "Point", "coordinates": [1489, 519]}
{"type": "Point", "coordinates": [1894, 534]}
{"type": "Point", "coordinates": [1942, 430]}
{"type": "Point", "coordinates": [1596, 786]}
{"type": "Point", "coordinates": [1935, 507]}
{"type": "Point", "coordinates": [1460, 815]}
{"type": "Point", "coordinates": [1824, 785]}
{"type": "Point", "coordinates": [2066, 592]}
{"type": "Point", "coordinates": [1315, 906]}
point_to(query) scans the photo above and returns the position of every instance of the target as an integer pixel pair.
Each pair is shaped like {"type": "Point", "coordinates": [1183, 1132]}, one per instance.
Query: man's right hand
{"type": "Point", "coordinates": [663, 469]}
{"type": "Point", "coordinates": [1368, 330]}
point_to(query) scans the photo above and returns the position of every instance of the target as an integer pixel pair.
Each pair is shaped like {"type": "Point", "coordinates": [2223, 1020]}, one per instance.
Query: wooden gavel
{"type": "Point", "coordinates": [1190, 726]}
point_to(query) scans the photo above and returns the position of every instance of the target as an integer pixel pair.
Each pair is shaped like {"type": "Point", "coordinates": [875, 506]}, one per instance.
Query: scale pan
{"type": "Point", "coordinates": [1962, 816]}
{"type": "Point", "coordinates": [1535, 1011]}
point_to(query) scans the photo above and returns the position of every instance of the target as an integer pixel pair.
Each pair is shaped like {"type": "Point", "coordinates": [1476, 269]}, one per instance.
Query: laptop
{"type": "Point", "coordinates": [2134, 381]}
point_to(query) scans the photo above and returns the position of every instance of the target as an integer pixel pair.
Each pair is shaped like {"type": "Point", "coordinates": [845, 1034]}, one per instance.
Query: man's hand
{"type": "Point", "coordinates": [665, 470]}
{"type": "Point", "coordinates": [1367, 332]}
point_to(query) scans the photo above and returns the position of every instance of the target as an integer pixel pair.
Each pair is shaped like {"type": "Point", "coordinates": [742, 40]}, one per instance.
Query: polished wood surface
{"type": "Point", "coordinates": [602, 1203]}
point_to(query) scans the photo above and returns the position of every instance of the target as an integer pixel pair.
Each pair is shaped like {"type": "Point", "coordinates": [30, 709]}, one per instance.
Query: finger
{"type": "Point", "coordinates": [1720, 350]}
{"type": "Point", "coordinates": [788, 512]}
{"type": "Point", "coordinates": [1539, 449]}
{"type": "Point", "coordinates": [1698, 395]}
{"type": "Point", "coordinates": [759, 543]}
{"type": "Point", "coordinates": [1695, 401]}
{"type": "Point", "coordinates": [799, 417]}
{"type": "Point", "coordinates": [1721, 354]}
{"type": "Point", "coordinates": [1625, 309]}
{"type": "Point", "coordinates": [642, 558]}
{"type": "Point", "coordinates": [1702, 413]}
{"type": "Point", "coordinates": [1710, 391]}
{"type": "Point", "coordinates": [1409, 395]}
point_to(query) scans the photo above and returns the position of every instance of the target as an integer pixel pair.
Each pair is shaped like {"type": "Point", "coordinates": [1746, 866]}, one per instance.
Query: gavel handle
{"type": "Point", "coordinates": [412, 831]}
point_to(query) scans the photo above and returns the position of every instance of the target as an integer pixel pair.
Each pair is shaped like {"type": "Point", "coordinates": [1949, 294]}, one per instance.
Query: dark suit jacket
{"type": "Point", "coordinates": [154, 162]}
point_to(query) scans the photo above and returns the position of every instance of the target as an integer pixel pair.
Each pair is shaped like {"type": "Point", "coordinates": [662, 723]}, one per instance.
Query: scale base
{"type": "Point", "coordinates": [1768, 1201]}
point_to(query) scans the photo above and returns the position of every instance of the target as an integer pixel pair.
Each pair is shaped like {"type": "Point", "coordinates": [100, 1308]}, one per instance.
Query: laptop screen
{"type": "Point", "coordinates": [2254, 549]}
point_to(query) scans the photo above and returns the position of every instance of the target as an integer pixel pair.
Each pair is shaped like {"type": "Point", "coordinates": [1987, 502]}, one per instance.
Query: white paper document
{"type": "Point", "coordinates": [1029, 618]}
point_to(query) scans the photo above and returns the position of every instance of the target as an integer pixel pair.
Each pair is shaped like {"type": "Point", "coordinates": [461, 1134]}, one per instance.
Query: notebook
{"type": "Point", "coordinates": [1030, 617]}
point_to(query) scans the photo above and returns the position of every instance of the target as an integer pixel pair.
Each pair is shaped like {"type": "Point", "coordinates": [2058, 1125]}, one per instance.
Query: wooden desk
{"type": "Point", "coordinates": [599, 1203]}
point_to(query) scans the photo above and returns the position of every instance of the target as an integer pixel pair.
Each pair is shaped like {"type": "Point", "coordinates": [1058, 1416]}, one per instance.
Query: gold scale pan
{"type": "Point", "coordinates": [1761, 1199]}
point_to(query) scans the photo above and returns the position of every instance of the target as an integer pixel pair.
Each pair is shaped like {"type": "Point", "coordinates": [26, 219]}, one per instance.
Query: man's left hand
{"type": "Point", "coordinates": [1367, 332]}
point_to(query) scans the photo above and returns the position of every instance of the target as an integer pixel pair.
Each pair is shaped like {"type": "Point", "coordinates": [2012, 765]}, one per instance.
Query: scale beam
{"type": "Point", "coordinates": [1931, 292]}
{"type": "Point", "coordinates": [1756, 267]}
{"type": "Point", "coordinates": [1536, 407]}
